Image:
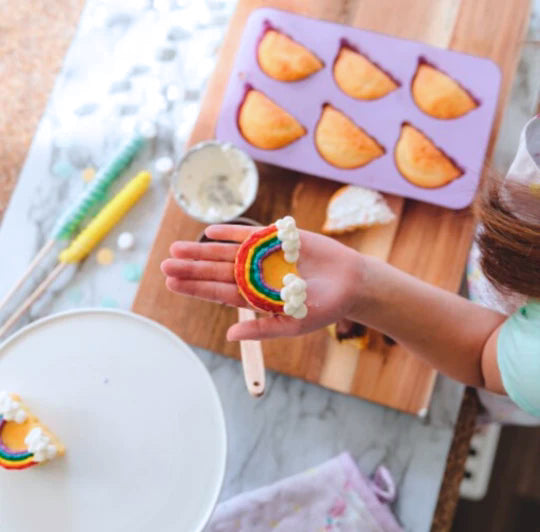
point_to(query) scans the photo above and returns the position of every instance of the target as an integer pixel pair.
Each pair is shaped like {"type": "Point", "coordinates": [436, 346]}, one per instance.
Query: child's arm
{"type": "Point", "coordinates": [453, 334]}
{"type": "Point", "coordinates": [456, 336]}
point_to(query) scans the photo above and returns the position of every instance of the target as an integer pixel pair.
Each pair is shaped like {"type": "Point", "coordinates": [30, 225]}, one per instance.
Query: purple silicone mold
{"type": "Point", "coordinates": [463, 139]}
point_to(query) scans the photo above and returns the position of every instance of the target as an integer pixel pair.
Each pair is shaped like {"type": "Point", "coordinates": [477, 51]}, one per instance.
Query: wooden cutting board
{"type": "Point", "coordinates": [427, 241]}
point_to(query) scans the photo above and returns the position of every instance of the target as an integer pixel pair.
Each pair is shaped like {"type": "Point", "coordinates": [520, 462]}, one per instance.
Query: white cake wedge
{"type": "Point", "coordinates": [351, 208]}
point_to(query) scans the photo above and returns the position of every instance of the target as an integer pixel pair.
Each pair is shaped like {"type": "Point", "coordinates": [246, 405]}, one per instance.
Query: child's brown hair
{"type": "Point", "coordinates": [509, 246]}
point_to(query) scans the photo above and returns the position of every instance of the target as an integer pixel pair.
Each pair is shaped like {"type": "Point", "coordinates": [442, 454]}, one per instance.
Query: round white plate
{"type": "Point", "coordinates": [138, 414]}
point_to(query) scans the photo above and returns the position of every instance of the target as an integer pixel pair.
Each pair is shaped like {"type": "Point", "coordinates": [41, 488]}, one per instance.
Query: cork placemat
{"type": "Point", "coordinates": [34, 37]}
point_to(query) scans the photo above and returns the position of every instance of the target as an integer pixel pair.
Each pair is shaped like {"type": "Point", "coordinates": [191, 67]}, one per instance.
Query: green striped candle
{"type": "Point", "coordinates": [97, 189]}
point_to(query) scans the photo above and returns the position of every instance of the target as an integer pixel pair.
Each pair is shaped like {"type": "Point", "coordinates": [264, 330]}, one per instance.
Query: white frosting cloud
{"type": "Point", "coordinates": [39, 444]}
{"type": "Point", "coordinates": [354, 207]}
{"type": "Point", "coordinates": [290, 238]}
{"type": "Point", "coordinates": [10, 409]}
{"type": "Point", "coordinates": [294, 294]}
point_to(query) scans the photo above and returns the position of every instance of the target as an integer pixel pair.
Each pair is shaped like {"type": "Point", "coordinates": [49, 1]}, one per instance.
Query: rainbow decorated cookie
{"type": "Point", "coordinates": [265, 270]}
{"type": "Point", "coordinates": [24, 441]}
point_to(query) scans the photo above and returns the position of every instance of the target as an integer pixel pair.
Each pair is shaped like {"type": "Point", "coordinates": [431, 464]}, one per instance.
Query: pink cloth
{"type": "Point", "coordinates": [330, 498]}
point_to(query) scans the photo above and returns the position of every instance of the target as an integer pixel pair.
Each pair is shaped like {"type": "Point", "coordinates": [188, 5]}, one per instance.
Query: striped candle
{"type": "Point", "coordinates": [96, 191]}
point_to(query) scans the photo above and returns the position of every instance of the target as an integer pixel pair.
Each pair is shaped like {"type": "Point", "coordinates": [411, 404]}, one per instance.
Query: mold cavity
{"type": "Point", "coordinates": [439, 95]}
{"type": "Point", "coordinates": [360, 77]}
{"type": "Point", "coordinates": [283, 58]}
{"type": "Point", "coordinates": [264, 124]}
{"type": "Point", "coordinates": [342, 143]}
{"type": "Point", "coordinates": [421, 161]}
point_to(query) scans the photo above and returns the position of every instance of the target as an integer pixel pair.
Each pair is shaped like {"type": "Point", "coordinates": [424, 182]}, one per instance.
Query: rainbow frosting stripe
{"type": "Point", "coordinates": [265, 270]}
{"type": "Point", "coordinates": [248, 270]}
{"type": "Point", "coordinates": [10, 459]}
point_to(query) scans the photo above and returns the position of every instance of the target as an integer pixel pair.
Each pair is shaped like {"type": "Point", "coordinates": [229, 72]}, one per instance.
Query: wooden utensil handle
{"type": "Point", "coordinates": [34, 296]}
{"type": "Point", "coordinates": [26, 274]}
{"type": "Point", "coordinates": [252, 358]}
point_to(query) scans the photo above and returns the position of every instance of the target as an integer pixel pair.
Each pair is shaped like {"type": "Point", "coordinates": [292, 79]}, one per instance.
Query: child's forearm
{"type": "Point", "coordinates": [445, 329]}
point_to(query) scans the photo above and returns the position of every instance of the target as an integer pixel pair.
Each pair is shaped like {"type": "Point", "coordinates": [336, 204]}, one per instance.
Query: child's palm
{"type": "Point", "coordinates": [206, 271]}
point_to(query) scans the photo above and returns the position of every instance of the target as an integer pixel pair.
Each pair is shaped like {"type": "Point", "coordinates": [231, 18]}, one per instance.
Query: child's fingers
{"type": "Point", "coordinates": [204, 251]}
{"type": "Point", "coordinates": [202, 270]}
{"type": "Point", "coordinates": [270, 327]}
{"type": "Point", "coordinates": [210, 290]}
{"type": "Point", "coordinates": [233, 233]}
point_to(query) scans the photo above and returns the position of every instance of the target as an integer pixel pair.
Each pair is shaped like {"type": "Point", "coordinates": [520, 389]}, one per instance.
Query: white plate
{"type": "Point", "coordinates": [140, 418]}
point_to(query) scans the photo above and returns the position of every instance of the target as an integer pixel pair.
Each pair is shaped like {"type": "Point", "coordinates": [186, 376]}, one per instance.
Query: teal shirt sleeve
{"type": "Point", "coordinates": [518, 355]}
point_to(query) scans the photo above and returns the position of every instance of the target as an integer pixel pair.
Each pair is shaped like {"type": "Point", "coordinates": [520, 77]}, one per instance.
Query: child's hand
{"type": "Point", "coordinates": [333, 273]}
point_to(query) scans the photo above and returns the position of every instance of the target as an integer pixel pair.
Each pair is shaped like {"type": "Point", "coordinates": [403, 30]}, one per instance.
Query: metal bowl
{"type": "Point", "coordinates": [252, 174]}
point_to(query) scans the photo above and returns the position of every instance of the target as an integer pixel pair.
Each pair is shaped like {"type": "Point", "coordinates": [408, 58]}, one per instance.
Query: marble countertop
{"type": "Point", "coordinates": [143, 59]}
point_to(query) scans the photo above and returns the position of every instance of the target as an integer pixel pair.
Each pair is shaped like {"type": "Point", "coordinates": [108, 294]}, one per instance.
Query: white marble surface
{"type": "Point", "coordinates": [111, 78]}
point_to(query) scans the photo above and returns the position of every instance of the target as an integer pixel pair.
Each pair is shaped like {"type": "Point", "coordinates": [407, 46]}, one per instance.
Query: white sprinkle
{"type": "Point", "coordinates": [173, 92]}
{"type": "Point", "coordinates": [148, 129]}
{"type": "Point", "coordinates": [164, 165]}
{"type": "Point", "coordinates": [125, 241]}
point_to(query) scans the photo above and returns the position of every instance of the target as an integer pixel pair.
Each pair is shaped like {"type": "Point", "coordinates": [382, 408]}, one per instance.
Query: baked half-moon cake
{"type": "Point", "coordinates": [284, 59]}
{"type": "Point", "coordinates": [358, 77]}
{"type": "Point", "coordinates": [351, 208]}
{"type": "Point", "coordinates": [342, 143]}
{"type": "Point", "coordinates": [265, 124]}
{"type": "Point", "coordinates": [421, 162]}
{"type": "Point", "coordinates": [440, 96]}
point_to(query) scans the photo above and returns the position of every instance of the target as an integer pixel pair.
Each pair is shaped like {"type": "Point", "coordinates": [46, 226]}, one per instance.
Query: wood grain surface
{"type": "Point", "coordinates": [427, 241]}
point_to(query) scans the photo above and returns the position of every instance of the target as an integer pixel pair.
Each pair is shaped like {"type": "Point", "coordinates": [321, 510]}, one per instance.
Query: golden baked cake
{"type": "Point", "coordinates": [342, 143]}
{"type": "Point", "coordinates": [284, 59]}
{"type": "Point", "coordinates": [358, 77]}
{"type": "Point", "coordinates": [266, 125]}
{"type": "Point", "coordinates": [351, 208]}
{"type": "Point", "coordinates": [421, 162]}
{"type": "Point", "coordinates": [438, 95]}
{"type": "Point", "coordinates": [24, 441]}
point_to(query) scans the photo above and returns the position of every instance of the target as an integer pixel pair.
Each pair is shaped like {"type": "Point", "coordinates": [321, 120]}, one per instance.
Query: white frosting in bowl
{"type": "Point", "coordinates": [215, 182]}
